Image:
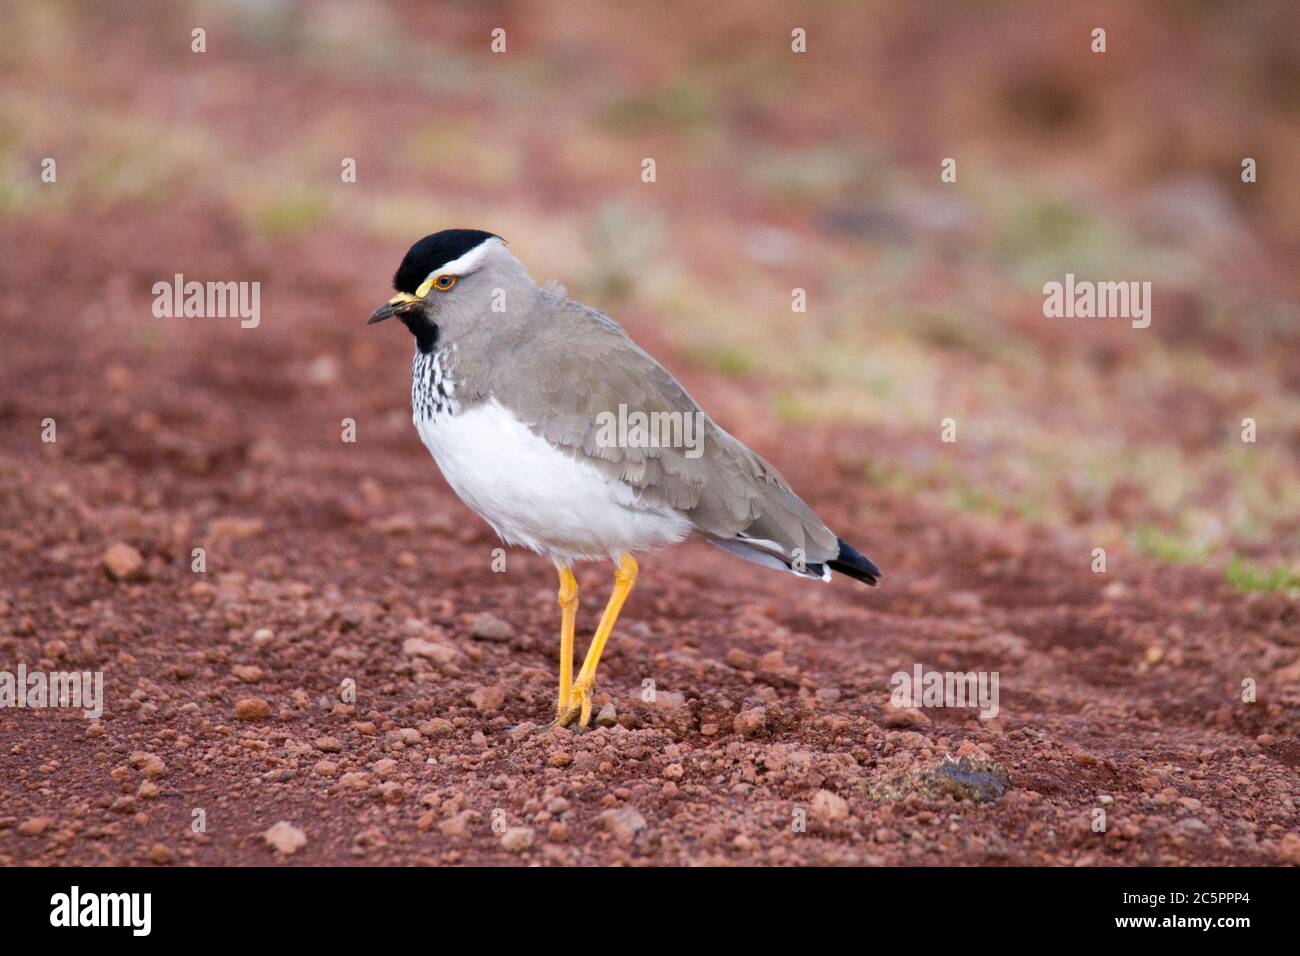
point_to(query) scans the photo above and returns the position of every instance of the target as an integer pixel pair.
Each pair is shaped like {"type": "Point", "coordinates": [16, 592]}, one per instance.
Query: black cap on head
{"type": "Point", "coordinates": [434, 251]}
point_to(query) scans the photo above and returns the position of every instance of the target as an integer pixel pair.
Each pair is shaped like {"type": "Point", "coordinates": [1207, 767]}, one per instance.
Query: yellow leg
{"type": "Point", "coordinates": [568, 598]}
{"type": "Point", "coordinates": [584, 688]}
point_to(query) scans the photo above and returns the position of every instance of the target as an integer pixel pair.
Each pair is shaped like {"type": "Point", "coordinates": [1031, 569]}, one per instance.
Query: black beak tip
{"type": "Point", "coordinates": [381, 313]}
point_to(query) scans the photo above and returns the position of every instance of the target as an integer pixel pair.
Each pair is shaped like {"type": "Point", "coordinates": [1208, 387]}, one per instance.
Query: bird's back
{"type": "Point", "coordinates": [571, 371]}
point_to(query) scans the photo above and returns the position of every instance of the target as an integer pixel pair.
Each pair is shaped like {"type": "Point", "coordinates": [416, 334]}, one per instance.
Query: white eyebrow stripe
{"type": "Point", "coordinates": [466, 263]}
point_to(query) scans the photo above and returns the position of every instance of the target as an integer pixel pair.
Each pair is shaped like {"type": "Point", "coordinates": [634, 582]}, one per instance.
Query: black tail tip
{"type": "Point", "coordinates": [855, 564]}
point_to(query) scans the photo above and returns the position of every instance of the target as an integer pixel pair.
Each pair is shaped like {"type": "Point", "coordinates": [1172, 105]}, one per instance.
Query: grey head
{"type": "Point", "coordinates": [459, 285]}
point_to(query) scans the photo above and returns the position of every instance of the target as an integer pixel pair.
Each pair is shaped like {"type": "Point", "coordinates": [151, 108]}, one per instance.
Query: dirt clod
{"type": "Point", "coordinates": [980, 781]}
{"type": "Point", "coordinates": [123, 562]}
{"type": "Point", "coordinates": [285, 838]}
{"type": "Point", "coordinates": [829, 806]}
{"type": "Point", "coordinates": [625, 823]}
{"type": "Point", "coordinates": [34, 826]}
{"type": "Point", "coordinates": [489, 698]}
{"type": "Point", "coordinates": [252, 708]}
{"type": "Point", "coordinates": [517, 839]}
{"type": "Point", "coordinates": [749, 723]}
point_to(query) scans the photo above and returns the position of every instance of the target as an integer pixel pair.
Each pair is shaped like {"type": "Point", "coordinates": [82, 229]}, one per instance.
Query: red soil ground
{"type": "Point", "coordinates": [1119, 691]}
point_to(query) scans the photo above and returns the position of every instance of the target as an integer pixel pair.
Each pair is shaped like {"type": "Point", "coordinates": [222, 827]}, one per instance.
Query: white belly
{"type": "Point", "coordinates": [537, 496]}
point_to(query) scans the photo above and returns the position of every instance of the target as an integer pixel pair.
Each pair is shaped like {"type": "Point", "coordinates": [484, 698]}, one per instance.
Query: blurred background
{"type": "Point", "coordinates": [775, 171]}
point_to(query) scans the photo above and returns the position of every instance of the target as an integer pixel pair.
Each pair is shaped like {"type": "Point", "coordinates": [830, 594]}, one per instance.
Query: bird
{"type": "Point", "coordinates": [569, 439]}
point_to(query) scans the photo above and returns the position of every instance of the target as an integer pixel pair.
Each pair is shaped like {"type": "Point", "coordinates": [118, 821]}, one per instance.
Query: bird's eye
{"type": "Point", "coordinates": [444, 282]}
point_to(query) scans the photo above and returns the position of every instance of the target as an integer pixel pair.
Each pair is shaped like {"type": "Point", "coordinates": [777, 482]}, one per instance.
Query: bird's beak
{"type": "Point", "coordinates": [395, 306]}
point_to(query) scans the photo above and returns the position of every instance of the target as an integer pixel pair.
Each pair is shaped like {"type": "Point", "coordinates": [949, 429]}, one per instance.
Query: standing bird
{"type": "Point", "coordinates": [524, 396]}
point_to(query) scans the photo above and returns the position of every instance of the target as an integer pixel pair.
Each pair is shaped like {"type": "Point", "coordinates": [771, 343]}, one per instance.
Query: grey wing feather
{"type": "Point", "coordinates": [573, 363]}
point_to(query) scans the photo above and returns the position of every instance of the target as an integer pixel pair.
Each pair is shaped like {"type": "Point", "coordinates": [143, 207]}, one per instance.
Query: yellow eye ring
{"type": "Point", "coordinates": [442, 283]}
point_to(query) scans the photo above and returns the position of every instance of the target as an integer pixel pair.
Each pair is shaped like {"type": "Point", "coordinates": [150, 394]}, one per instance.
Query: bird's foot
{"type": "Point", "coordinates": [578, 706]}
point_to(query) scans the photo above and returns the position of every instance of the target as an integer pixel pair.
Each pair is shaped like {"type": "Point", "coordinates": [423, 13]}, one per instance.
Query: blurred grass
{"type": "Point", "coordinates": [723, 359]}
{"type": "Point", "coordinates": [681, 105]}
{"type": "Point", "coordinates": [300, 211]}
{"type": "Point", "coordinates": [440, 144]}
{"type": "Point", "coordinates": [1168, 547]}
{"type": "Point", "coordinates": [1245, 576]}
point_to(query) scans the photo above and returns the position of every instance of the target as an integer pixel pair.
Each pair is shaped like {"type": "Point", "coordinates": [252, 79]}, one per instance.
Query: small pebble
{"type": "Point", "coordinates": [517, 839]}
{"type": "Point", "coordinates": [285, 838]}
{"type": "Point", "coordinates": [123, 562]}
{"type": "Point", "coordinates": [252, 708]}
{"type": "Point", "coordinates": [489, 627]}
